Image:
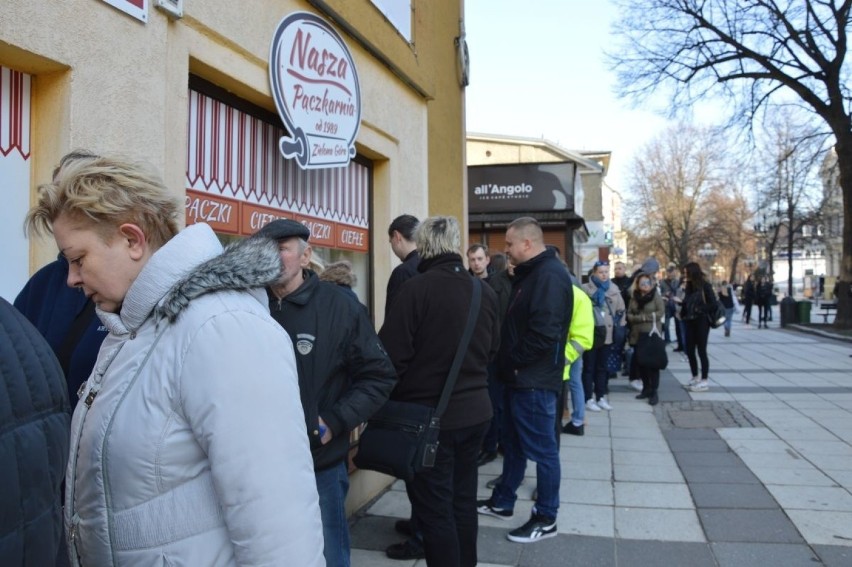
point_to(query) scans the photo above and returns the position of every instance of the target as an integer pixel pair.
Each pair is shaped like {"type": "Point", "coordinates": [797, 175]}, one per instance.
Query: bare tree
{"type": "Point", "coordinates": [755, 53]}
{"type": "Point", "coordinates": [678, 185]}
{"type": "Point", "coordinates": [789, 181]}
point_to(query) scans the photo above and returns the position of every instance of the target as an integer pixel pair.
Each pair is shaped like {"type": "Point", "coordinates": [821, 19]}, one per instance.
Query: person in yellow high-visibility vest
{"type": "Point", "coordinates": [580, 339]}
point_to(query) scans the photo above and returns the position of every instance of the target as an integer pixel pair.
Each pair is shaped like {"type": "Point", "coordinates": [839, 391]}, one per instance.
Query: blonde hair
{"type": "Point", "coordinates": [438, 235]}
{"type": "Point", "coordinates": [106, 192]}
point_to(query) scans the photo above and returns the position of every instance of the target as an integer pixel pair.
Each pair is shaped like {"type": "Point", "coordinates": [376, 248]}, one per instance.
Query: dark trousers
{"type": "Point", "coordinates": [495, 392]}
{"type": "Point", "coordinates": [650, 376]}
{"type": "Point", "coordinates": [747, 311]}
{"type": "Point", "coordinates": [594, 374]}
{"type": "Point", "coordinates": [697, 331]}
{"type": "Point", "coordinates": [443, 499]}
{"type": "Point", "coordinates": [681, 343]}
{"type": "Point", "coordinates": [764, 313]}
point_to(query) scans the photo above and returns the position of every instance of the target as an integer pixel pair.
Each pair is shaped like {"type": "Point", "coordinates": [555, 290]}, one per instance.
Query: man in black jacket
{"type": "Point", "coordinates": [345, 374]}
{"type": "Point", "coordinates": [531, 362]}
{"type": "Point", "coordinates": [422, 334]}
{"type": "Point", "coordinates": [34, 428]}
{"type": "Point", "coordinates": [401, 236]}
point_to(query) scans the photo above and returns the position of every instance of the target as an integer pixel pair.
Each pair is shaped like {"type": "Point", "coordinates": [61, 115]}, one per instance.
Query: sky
{"type": "Point", "coordinates": [537, 70]}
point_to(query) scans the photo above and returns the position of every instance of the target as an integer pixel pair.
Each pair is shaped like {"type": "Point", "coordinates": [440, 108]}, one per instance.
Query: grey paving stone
{"type": "Point", "coordinates": [691, 434]}
{"type": "Point", "coordinates": [569, 550]}
{"type": "Point", "coordinates": [822, 526]}
{"type": "Point", "coordinates": [754, 526]}
{"type": "Point", "coordinates": [834, 555]}
{"type": "Point", "coordinates": [493, 547]}
{"type": "Point", "coordinates": [374, 533]}
{"type": "Point", "coordinates": [812, 498]}
{"type": "Point", "coordinates": [714, 459]}
{"type": "Point", "coordinates": [698, 446]}
{"type": "Point", "coordinates": [634, 553]}
{"type": "Point", "coordinates": [713, 495]}
{"type": "Point", "coordinates": [734, 475]}
{"type": "Point", "coordinates": [774, 554]}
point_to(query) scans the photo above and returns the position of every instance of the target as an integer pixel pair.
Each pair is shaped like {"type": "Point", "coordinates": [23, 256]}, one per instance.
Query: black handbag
{"type": "Point", "coordinates": [650, 351]}
{"type": "Point", "coordinates": [401, 439]}
{"type": "Point", "coordinates": [715, 311]}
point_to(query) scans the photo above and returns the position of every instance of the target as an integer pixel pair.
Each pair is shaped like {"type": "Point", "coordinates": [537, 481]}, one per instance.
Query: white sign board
{"type": "Point", "coordinates": [316, 91]}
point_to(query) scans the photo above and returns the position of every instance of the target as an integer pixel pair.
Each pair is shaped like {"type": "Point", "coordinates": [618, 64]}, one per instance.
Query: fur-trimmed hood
{"type": "Point", "coordinates": [250, 263]}
{"type": "Point", "coordinates": [190, 265]}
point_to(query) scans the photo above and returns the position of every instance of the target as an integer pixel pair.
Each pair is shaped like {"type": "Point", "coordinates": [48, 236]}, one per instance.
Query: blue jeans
{"type": "Point", "coordinates": [528, 418]}
{"type": "Point", "coordinates": [495, 392]}
{"type": "Point", "coordinates": [578, 398]}
{"type": "Point", "coordinates": [729, 318]}
{"type": "Point", "coordinates": [332, 485]}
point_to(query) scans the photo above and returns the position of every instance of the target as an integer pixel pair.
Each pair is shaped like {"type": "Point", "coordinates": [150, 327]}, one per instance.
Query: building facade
{"type": "Point", "coordinates": [185, 85]}
{"type": "Point", "coordinates": [510, 177]}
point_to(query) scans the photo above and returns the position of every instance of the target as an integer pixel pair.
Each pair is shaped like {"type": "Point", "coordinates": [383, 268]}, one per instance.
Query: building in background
{"type": "Point", "coordinates": [185, 85]}
{"type": "Point", "coordinates": [511, 177]}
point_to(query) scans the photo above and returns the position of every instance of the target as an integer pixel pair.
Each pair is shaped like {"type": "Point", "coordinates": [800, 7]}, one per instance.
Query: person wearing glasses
{"type": "Point", "coordinates": [646, 311]}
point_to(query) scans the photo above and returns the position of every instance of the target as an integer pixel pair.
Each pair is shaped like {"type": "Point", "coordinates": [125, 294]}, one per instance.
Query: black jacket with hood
{"type": "Point", "coordinates": [345, 374]}
{"type": "Point", "coordinates": [532, 348]}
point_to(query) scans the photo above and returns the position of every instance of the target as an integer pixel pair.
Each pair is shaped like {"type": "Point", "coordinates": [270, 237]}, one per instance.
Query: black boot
{"type": "Point", "coordinates": [653, 399]}
{"type": "Point", "coordinates": [642, 396]}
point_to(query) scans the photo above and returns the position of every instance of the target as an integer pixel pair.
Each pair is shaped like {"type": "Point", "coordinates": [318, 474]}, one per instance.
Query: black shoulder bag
{"type": "Point", "coordinates": [401, 439]}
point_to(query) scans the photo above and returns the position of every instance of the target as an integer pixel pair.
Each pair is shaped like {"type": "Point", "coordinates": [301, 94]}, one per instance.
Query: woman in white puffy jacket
{"type": "Point", "coordinates": [188, 446]}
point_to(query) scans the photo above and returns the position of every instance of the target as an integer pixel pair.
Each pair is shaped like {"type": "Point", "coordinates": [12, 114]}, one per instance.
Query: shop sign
{"type": "Point", "coordinates": [219, 213]}
{"type": "Point", "coordinates": [230, 216]}
{"type": "Point", "coordinates": [136, 8]}
{"type": "Point", "coordinates": [316, 91]}
{"type": "Point", "coordinates": [521, 187]}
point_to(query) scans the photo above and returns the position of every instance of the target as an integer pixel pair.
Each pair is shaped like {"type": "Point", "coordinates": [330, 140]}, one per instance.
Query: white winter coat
{"type": "Point", "coordinates": [188, 446]}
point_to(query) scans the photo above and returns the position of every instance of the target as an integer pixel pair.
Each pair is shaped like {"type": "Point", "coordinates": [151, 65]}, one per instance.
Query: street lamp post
{"type": "Point", "coordinates": [708, 254]}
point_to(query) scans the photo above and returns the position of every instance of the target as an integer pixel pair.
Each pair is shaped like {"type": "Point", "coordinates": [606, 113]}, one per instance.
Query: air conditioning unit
{"type": "Point", "coordinates": [172, 8]}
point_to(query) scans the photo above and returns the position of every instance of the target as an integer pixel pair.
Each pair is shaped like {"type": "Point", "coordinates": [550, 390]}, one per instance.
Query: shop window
{"type": "Point", "coordinates": [15, 171]}
{"type": "Point", "coordinates": [237, 181]}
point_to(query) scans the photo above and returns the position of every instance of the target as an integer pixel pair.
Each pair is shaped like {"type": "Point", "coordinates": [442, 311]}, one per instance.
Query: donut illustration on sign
{"type": "Point", "coordinates": [316, 91]}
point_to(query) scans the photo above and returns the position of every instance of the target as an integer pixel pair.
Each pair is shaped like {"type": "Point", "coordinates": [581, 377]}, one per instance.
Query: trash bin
{"type": "Point", "coordinates": [804, 310]}
{"type": "Point", "coordinates": [788, 311]}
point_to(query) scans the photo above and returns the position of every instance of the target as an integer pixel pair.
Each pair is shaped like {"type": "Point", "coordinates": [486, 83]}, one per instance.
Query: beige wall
{"type": "Point", "coordinates": [108, 82]}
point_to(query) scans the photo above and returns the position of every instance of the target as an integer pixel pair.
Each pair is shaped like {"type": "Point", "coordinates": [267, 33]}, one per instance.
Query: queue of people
{"type": "Point", "coordinates": [247, 367]}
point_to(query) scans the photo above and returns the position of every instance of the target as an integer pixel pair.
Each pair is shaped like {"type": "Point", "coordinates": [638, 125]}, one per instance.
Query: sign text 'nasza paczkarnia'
{"type": "Point", "coordinates": [316, 90]}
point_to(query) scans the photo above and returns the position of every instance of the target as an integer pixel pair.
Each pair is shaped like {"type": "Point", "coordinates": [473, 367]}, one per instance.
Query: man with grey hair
{"type": "Point", "coordinates": [344, 373]}
{"type": "Point", "coordinates": [422, 333]}
{"type": "Point", "coordinates": [531, 362]}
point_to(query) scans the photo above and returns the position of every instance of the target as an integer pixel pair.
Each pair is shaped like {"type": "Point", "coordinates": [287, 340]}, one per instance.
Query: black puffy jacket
{"type": "Point", "coordinates": [34, 427]}
{"type": "Point", "coordinates": [345, 374]}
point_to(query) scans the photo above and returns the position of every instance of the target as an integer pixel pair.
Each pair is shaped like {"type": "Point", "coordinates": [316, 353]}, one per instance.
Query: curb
{"type": "Point", "coordinates": [812, 331]}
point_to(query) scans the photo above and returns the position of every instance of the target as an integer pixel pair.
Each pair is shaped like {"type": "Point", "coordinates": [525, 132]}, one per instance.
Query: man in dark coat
{"type": "Point", "coordinates": [531, 362]}
{"type": "Point", "coordinates": [422, 334]}
{"type": "Point", "coordinates": [401, 236]}
{"type": "Point", "coordinates": [66, 319]}
{"type": "Point", "coordinates": [345, 374]}
{"type": "Point", "coordinates": [35, 419]}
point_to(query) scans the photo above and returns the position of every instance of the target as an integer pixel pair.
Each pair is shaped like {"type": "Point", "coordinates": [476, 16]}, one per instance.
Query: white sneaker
{"type": "Point", "coordinates": [695, 380]}
{"type": "Point", "coordinates": [592, 405]}
{"type": "Point", "coordinates": [701, 386]}
{"type": "Point", "coordinates": [603, 404]}
{"type": "Point", "coordinates": [636, 385]}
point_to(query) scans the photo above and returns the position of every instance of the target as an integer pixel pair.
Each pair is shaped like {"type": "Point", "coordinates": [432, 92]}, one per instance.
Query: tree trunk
{"type": "Point", "coordinates": [843, 320]}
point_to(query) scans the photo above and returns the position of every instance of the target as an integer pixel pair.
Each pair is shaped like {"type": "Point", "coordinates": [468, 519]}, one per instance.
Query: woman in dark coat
{"type": "Point", "coordinates": [694, 309]}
